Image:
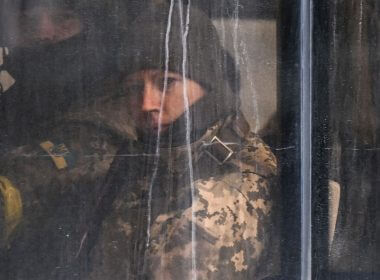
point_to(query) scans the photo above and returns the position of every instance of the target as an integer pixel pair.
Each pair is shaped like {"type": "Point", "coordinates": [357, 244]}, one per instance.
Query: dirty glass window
{"type": "Point", "coordinates": [351, 87]}
{"type": "Point", "coordinates": [162, 139]}
{"type": "Point", "coordinates": [328, 76]}
{"type": "Point", "coordinates": [132, 140]}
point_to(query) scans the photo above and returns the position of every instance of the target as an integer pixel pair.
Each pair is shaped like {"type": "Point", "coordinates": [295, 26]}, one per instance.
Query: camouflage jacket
{"type": "Point", "coordinates": [47, 188]}
{"type": "Point", "coordinates": [173, 218]}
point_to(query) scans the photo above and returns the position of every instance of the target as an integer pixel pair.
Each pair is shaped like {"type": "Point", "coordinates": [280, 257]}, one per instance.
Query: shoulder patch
{"type": "Point", "coordinates": [60, 154]}
{"type": "Point", "coordinates": [12, 207]}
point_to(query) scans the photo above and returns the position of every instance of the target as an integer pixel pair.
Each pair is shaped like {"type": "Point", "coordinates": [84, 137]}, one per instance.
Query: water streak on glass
{"type": "Point", "coordinates": [157, 152]}
{"type": "Point", "coordinates": [184, 33]}
{"type": "Point", "coordinates": [305, 134]}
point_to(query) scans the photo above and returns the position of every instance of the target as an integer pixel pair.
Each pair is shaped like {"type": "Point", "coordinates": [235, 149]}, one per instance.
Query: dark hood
{"type": "Point", "coordinates": [203, 60]}
{"type": "Point", "coordinates": [49, 79]}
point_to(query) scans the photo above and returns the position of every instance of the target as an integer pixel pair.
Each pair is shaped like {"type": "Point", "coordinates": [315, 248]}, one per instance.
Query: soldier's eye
{"type": "Point", "coordinates": [170, 81]}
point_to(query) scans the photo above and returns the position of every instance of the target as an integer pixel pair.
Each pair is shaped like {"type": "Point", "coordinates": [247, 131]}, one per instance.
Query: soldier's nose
{"type": "Point", "coordinates": [151, 98]}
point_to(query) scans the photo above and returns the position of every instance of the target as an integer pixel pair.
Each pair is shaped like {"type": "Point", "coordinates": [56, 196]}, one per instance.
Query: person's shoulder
{"type": "Point", "coordinates": [255, 156]}
{"type": "Point", "coordinates": [34, 178]}
{"type": "Point", "coordinates": [73, 154]}
{"type": "Point", "coordinates": [248, 176]}
{"type": "Point", "coordinates": [236, 207]}
{"type": "Point", "coordinates": [57, 158]}
{"type": "Point", "coordinates": [250, 153]}
{"type": "Point", "coordinates": [251, 170]}
{"type": "Point", "coordinates": [67, 149]}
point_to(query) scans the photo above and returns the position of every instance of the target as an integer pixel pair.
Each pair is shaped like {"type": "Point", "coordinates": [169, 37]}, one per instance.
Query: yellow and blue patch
{"type": "Point", "coordinates": [59, 153]}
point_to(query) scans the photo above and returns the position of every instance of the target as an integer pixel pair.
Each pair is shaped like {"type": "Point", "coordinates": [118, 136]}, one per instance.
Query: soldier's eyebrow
{"type": "Point", "coordinates": [170, 75]}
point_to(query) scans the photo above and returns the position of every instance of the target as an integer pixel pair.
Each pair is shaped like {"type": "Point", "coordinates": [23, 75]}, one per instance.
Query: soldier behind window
{"type": "Point", "coordinates": [195, 194]}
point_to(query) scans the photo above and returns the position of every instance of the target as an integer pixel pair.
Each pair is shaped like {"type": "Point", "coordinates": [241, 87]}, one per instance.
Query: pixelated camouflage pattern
{"type": "Point", "coordinates": [233, 212]}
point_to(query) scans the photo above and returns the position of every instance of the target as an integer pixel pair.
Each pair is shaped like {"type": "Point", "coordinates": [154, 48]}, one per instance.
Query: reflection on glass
{"type": "Point", "coordinates": [125, 151]}
{"type": "Point", "coordinates": [354, 157]}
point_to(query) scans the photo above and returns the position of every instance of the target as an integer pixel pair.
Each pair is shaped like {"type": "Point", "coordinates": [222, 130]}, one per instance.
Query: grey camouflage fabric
{"type": "Point", "coordinates": [231, 216]}
{"type": "Point", "coordinates": [55, 180]}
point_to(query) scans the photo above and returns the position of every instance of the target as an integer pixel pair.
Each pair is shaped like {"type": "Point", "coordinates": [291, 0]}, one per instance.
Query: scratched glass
{"type": "Point", "coordinates": [130, 139]}
{"type": "Point", "coordinates": [189, 139]}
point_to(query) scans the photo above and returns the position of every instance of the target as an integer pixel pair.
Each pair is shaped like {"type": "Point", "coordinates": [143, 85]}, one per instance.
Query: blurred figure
{"type": "Point", "coordinates": [69, 125]}
{"type": "Point", "coordinates": [62, 51]}
{"type": "Point", "coordinates": [49, 187]}
{"type": "Point", "coordinates": [48, 23]}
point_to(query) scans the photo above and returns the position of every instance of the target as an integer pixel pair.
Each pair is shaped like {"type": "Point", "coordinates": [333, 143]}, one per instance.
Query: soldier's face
{"type": "Point", "coordinates": [150, 106]}
{"type": "Point", "coordinates": [46, 25]}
